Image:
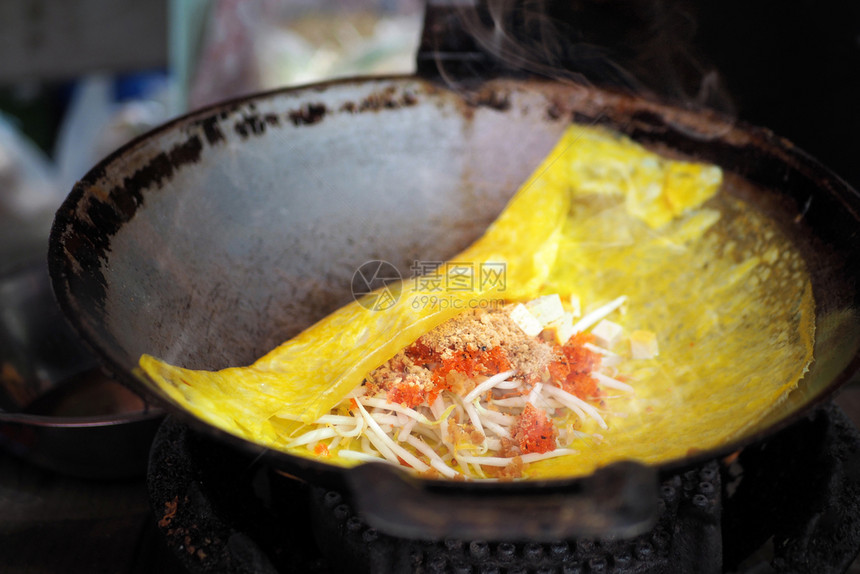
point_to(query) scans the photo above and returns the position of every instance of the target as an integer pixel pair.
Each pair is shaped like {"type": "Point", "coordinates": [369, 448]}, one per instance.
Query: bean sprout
{"type": "Point", "coordinates": [471, 436]}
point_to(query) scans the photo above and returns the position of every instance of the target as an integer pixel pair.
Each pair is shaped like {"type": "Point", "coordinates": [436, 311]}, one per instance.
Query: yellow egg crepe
{"type": "Point", "coordinates": [718, 286]}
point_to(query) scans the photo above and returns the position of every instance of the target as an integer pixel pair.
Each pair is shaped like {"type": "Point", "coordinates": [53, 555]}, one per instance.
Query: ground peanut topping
{"type": "Point", "coordinates": [481, 396]}
{"type": "Point", "coordinates": [467, 348]}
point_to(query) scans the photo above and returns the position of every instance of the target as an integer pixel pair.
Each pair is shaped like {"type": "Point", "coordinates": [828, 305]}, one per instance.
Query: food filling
{"type": "Point", "coordinates": [482, 394]}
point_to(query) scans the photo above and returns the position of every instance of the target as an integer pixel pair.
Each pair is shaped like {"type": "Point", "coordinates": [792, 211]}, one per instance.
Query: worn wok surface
{"type": "Point", "coordinates": [216, 237]}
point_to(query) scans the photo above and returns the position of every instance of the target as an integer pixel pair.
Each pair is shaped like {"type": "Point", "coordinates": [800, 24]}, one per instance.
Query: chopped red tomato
{"type": "Point", "coordinates": [421, 353]}
{"type": "Point", "coordinates": [408, 394]}
{"type": "Point", "coordinates": [534, 431]}
{"type": "Point", "coordinates": [470, 362]}
{"type": "Point", "coordinates": [573, 366]}
{"type": "Point", "coordinates": [495, 361]}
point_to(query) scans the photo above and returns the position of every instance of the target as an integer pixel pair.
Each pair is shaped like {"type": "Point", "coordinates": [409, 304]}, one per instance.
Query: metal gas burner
{"type": "Point", "coordinates": [790, 504]}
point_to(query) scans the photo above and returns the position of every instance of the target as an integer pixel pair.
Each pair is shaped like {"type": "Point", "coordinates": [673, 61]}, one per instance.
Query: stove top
{"type": "Point", "coordinates": [791, 504]}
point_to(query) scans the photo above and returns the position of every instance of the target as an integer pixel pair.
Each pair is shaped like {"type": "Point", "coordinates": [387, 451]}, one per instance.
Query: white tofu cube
{"type": "Point", "coordinates": [561, 330]}
{"type": "Point", "coordinates": [643, 345]}
{"type": "Point", "coordinates": [607, 334]}
{"type": "Point", "coordinates": [525, 320]}
{"type": "Point", "coordinates": [546, 309]}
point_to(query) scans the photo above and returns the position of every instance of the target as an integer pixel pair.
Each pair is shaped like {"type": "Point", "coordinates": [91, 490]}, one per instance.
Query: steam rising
{"type": "Point", "coordinates": [637, 46]}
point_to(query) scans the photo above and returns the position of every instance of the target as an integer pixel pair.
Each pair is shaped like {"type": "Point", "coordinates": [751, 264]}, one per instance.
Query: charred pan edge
{"type": "Point", "coordinates": [87, 221]}
{"type": "Point", "coordinates": [254, 123]}
{"type": "Point", "coordinates": [91, 215]}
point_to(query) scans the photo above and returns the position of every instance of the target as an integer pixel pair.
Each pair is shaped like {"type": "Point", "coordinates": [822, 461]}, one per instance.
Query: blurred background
{"type": "Point", "coordinates": [79, 78]}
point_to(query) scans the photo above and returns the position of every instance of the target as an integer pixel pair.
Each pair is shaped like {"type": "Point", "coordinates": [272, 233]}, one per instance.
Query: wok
{"type": "Point", "coordinates": [221, 234]}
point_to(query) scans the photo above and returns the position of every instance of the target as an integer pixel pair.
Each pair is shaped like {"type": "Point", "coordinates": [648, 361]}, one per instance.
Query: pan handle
{"type": "Point", "coordinates": [619, 500]}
